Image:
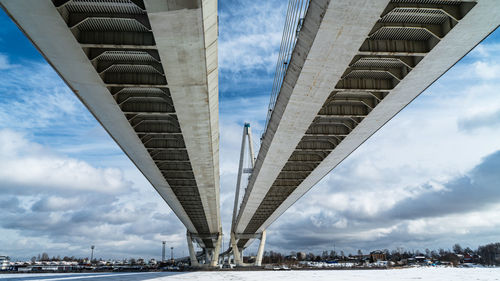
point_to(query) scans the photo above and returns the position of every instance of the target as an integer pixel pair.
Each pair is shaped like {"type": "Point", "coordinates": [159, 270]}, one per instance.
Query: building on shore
{"type": "Point", "coordinates": [4, 263]}
{"type": "Point", "coordinates": [377, 256]}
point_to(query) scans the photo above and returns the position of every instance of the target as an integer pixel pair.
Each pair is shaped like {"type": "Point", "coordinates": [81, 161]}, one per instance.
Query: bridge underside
{"type": "Point", "coordinates": [351, 71]}
{"type": "Point", "coordinates": [151, 83]}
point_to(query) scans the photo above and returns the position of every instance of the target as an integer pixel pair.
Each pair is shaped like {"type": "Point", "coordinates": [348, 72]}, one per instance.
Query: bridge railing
{"type": "Point", "coordinates": [293, 23]}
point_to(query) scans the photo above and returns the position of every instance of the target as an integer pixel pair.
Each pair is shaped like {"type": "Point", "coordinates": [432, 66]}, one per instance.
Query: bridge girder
{"type": "Point", "coordinates": [120, 59]}
{"type": "Point", "coordinates": [355, 65]}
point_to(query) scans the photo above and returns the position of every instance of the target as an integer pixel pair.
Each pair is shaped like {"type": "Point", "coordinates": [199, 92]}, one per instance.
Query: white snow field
{"type": "Point", "coordinates": [424, 274]}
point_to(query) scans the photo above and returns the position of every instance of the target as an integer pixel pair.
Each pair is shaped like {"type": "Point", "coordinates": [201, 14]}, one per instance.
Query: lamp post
{"type": "Point", "coordinates": [172, 254]}
{"type": "Point", "coordinates": [92, 253]}
{"type": "Point", "coordinates": [163, 251]}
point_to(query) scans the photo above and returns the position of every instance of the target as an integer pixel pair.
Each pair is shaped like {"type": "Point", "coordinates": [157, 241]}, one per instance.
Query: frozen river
{"type": "Point", "coordinates": [427, 274]}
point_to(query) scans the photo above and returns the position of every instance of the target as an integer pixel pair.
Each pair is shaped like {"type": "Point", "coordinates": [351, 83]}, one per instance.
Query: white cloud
{"type": "Point", "coordinates": [4, 62]}
{"type": "Point", "coordinates": [56, 203]}
{"type": "Point", "coordinates": [487, 50]}
{"type": "Point", "coordinates": [250, 37]}
{"type": "Point", "coordinates": [33, 96]}
{"type": "Point", "coordinates": [29, 167]}
{"type": "Point", "coordinates": [457, 224]}
{"type": "Point", "coordinates": [487, 70]}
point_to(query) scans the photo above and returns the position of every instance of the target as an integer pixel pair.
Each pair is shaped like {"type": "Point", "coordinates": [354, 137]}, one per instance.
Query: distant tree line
{"type": "Point", "coordinates": [45, 257]}
{"type": "Point", "coordinates": [488, 255]}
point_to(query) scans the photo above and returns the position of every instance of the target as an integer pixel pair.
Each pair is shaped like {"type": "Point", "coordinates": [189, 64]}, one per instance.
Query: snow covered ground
{"type": "Point", "coordinates": [424, 274]}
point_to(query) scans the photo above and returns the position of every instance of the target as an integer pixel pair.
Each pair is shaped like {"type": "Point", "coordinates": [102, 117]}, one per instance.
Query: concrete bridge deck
{"type": "Point", "coordinates": [147, 70]}
{"type": "Point", "coordinates": [355, 65]}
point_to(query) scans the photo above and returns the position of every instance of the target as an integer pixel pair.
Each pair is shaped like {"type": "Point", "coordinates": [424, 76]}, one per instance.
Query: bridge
{"type": "Point", "coordinates": [147, 70]}
{"type": "Point", "coordinates": [345, 68]}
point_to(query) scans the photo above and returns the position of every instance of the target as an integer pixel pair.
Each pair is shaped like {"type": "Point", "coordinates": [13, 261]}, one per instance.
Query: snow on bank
{"type": "Point", "coordinates": [425, 274]}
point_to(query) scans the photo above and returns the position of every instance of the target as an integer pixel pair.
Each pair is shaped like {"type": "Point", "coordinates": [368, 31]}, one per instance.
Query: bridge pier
{"type": "Point", "coordinates": [192, 254]}
{"type": "Point", "coordinates": [236, 252]}
{"type": "Point", "coordinates": [260, 252]}
{"type": "Point", "coordinates": [208, 255]}
{"type": "Point", "coordinates": [216, 250]}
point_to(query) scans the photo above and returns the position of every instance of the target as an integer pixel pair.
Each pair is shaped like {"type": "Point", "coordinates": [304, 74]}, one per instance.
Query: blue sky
{"type": "Point", "coordinates": [426, 179]}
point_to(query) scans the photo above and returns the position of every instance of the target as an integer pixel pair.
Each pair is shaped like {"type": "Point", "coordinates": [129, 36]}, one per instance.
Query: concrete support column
{"type": "Point", "coordinates": [236, 252]}
{"type": "Point", "coordinates": [260, 252]}
{"type": "Point", "coordinates": [192, 254]}
{"type": "Point", "coordinates": [207, 255]}
{"type": "Point", "coordinates": [215, 258]}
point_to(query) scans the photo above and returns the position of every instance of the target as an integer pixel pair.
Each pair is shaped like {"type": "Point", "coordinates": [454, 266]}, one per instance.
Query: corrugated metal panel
{"type": "Point", "coordinates": [401, 33]}
{"type": "Point", "coordinates": [145, 91]}
{"type": "Point", "coordinates": [378, 62]}
{"type": "Point", "coordinates": [415, 15]}
{"type": "Point", "coordinates": [436, 2]}
{"type": "Point", "coordinates": [147, 99]}
{"type": "Point", "coordinates": [371, 74]}
{"type": "Point", "coordinates": [126, 56]}
{"type": "Point", "coordinates": [107, 6]}
{"type": "Point", "coordinates": [127, 68]}
{"type": "Point", "coordinates": [111, 24]}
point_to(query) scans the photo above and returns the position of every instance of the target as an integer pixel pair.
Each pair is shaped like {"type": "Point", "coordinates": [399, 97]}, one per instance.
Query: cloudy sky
{"type": "Point", "coordinates": [429, 178]}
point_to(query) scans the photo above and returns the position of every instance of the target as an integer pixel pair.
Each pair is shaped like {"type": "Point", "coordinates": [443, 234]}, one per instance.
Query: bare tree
{"type": "Point", "coordinates": [333, 254]}
{"type": "Point", "coordinates": [324, 255]}
{"type": "Point", "coordinates": [457, 249]}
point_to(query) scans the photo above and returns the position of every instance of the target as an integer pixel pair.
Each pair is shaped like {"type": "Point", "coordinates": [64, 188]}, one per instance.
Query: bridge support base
{"type": "Point", "coordinates": [236, 251]}
{"type": "Point", "coordinates": [208, 255]}
{"type": "Point", "coordinates": [216, 250]}
{"type": "Point", "coordinates": [192, 254]}
{"type": "Point", "coordinates": [260, 252]}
